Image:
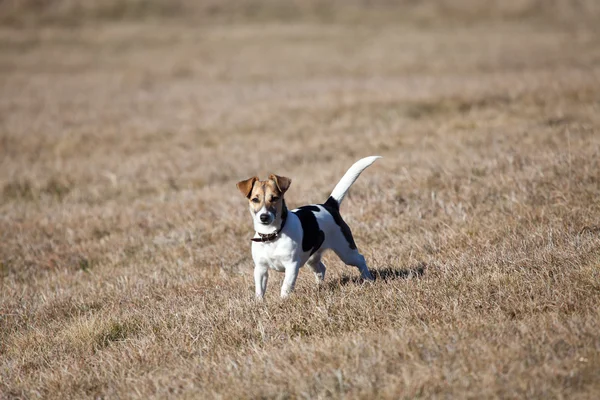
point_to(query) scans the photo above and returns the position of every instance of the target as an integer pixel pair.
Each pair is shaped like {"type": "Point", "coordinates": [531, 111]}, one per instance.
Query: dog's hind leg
{"type": "Point", "coordinates": [353, 257]}
{"type": "Point", "coordinates": [342, 243]}
{"type": "Point", "coordinates": [317, 266]}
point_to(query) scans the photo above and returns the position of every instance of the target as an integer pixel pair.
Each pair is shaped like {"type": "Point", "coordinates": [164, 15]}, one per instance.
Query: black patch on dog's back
{"type": "Point", "coordinates": [313, 237]}
{"type": "Point", "coordinates": [333, 207]}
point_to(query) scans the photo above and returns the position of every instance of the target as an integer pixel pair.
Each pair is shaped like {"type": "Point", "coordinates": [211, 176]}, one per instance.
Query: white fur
{"type": "Point", "coordinates": [340, 190]}
{"type": "Point", "coordinates": [268, 228]}
{"type": "Point", "coordinates": [285, 254]}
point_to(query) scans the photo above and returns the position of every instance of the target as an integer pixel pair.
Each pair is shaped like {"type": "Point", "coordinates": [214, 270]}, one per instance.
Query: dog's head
{"type": "Point", "coordinates": [266, 201]}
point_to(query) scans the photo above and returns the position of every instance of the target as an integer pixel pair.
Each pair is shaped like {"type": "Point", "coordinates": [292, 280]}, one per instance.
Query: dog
{"type": "Point", "coordinates": [286, 240]}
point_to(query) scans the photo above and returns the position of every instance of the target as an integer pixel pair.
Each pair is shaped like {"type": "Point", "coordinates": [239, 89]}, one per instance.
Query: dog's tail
{"type": "Point", "coordinates": [349, 178]}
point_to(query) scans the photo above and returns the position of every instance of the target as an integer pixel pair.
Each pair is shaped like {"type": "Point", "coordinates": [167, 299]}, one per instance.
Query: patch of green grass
{"type": "Point", "coordinates": [21, 189]}
{"type": "Point", "coordinates": [116, 332]}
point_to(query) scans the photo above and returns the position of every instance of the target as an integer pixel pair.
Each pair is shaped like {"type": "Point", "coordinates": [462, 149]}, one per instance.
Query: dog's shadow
{"type": "Point", "coordinates": [381, 275]}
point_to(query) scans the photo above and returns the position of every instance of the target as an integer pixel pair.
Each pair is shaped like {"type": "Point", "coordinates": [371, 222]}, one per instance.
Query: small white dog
{"type": "Point", "coordinates": [285, 241]}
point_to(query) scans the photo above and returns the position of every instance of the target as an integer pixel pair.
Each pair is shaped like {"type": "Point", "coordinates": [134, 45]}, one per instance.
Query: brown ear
{"type": "Point", "coordinates": [282, 182]}
{"type": "Point", "coordinates": [246, 186]}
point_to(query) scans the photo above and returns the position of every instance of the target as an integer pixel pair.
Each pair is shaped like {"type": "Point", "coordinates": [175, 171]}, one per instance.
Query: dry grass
{"type": "Point", "coordinates": [425, 13]}
{"type": "Point", "coordinates": [124, 254]}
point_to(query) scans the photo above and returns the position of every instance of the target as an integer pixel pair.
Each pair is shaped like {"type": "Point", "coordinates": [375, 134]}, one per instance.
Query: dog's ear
{"type": "Point", "coordinates": [246, 186]}
{"type": "Point", "coordinates": [282, 182]}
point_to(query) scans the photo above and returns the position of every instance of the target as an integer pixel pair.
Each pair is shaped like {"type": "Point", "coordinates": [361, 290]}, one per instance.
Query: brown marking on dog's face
{"type": "Point", "coordinates": [267, 194]}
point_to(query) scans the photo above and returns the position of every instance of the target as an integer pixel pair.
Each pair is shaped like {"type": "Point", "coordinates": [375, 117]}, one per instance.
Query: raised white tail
{"type": "Point", "coordinates": [340, 190]}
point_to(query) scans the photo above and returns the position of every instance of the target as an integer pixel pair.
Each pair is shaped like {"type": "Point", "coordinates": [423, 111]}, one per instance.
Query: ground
{"type": "Point", "coordinates": [125, 262]}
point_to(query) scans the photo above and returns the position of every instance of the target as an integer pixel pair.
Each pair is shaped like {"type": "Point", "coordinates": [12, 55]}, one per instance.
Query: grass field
{"type": "Point", "coordinates": [125, 262]}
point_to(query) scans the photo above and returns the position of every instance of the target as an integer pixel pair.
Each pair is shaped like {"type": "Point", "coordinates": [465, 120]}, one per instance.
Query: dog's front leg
{"type": "Point", "coordinates": [291, 273]}
{"type": "Point", "coordinates": [261, 276]}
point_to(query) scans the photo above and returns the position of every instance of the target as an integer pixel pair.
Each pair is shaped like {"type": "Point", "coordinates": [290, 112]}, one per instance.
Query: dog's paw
{"type": "Point", "coordinates": [367, 277]}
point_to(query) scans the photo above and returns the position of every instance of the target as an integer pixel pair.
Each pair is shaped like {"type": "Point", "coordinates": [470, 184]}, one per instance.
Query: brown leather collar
{"type": "Point", "coordinates": [266, 238]}
{"type": "Point", "coordinates": [272, 236]}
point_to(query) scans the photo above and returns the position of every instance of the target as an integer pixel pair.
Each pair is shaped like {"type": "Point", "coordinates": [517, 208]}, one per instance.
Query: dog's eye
{"type": "Point", "coordinates": [255, 200]}
{"type": "Point", "coordinates": [274, 199]}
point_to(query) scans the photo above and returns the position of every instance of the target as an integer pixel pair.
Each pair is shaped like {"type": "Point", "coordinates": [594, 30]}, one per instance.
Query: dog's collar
{"type": "Point", "coordinates": [272, 236]}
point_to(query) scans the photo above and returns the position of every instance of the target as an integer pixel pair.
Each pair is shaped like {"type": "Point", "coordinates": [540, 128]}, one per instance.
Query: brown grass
{"type": "Point", "coordinates": [574, 13]}
{"type": "Point", "coordinates": [124, 244]}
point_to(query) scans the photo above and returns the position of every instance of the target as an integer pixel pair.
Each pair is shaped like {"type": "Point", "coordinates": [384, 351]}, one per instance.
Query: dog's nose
{"type": "Point", "coordinates": [264, 217]}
